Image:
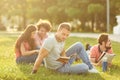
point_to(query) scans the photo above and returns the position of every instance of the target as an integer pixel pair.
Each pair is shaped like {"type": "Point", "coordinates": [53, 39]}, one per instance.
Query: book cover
{"type": "Point", "coordinates": [63, 59]}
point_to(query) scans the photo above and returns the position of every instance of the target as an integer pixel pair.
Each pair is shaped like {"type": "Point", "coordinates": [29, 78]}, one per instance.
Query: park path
{"type": "Point", "coordinates": [113, 37]}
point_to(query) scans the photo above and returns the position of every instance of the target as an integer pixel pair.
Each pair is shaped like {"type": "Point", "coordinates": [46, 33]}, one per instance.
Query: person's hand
{"type": "Point", "coordinates": [109, 65]}
{"type": "Point", "coordinates": [34, 71]}
{"type": "Point", "coordinates": [97, 64]}
{"type": "Point", "coordinates": [36, 51]}
{"type": "Point", "coordinates": [64, 60]}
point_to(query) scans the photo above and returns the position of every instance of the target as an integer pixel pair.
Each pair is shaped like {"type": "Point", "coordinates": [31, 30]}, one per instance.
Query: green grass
{"type": "Point", "coordinates": [9, 70]}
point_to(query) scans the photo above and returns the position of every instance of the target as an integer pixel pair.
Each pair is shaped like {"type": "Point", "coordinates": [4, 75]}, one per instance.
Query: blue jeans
{"type": "Point", "coordinates": [79, 50]}
{"type": "Point", "coordinates": [26, 59]}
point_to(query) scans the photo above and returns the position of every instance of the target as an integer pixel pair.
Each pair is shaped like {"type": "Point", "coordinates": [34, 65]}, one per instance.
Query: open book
{"type": "Point", "coordinates": [107, 55]}
{"type": "Point", "coordinates": [63, 59]}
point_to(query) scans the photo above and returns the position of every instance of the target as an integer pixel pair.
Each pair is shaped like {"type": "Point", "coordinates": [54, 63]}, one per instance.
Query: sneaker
{"type": "Point", "coordinates": [93, 70]}
{"type": "Point", "coordinates": [87, 46]}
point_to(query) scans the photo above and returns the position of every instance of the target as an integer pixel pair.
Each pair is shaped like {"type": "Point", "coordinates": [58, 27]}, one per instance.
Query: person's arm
{"type": "Point", "coordinates": [42, 54]}
{"type": "Point", "coordinates": [64, 59]}
{"type": "Point", "coordinates": [93, 61]}
{"type": "Point", "coordinates": [93, 54]}
{"type": "Point", "coordinates": [24, 52]}
{"type": "Point", "coordinates": [63, 53]}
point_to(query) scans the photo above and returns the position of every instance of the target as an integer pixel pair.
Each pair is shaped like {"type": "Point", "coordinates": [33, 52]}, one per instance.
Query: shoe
{"type": "Point", "coordinates": [93, 70]}
{"type": "Point", "coordinates": [87, 46]}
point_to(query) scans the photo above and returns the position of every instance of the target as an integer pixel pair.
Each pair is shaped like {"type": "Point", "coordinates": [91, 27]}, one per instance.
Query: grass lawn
{"type": "Point", "coordinates": [9, 70]}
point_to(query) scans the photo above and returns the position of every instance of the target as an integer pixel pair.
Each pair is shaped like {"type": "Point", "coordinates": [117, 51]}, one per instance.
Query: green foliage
{"type": "Point", "coordinates": [59, 11]}
{"type": "Point", "coordinates": [72, 12]}
{"type": "Point", "coordinates": [95, 8]}
{"type": "Point", "coordinates": [9, 70]}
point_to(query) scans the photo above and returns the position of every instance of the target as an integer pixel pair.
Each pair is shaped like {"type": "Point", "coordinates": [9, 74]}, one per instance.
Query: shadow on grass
{"type": "Point", "coordinates": [47, 74]}
{"type": "Point", "coordinates": [54, 75]}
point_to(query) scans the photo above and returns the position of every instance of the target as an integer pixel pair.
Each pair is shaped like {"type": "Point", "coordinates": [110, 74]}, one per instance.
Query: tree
{"type": "Point", "coordinates": [94, 10]}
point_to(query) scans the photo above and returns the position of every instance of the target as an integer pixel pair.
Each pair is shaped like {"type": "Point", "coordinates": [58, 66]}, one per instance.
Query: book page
{"type": "Point", "coordinates": [109, 57]}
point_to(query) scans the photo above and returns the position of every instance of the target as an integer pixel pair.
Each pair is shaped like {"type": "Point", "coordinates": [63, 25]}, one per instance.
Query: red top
{"type": "Point", "coordinates": [95, 53]}
{"type": "Point", "coordinates": [18, 52]}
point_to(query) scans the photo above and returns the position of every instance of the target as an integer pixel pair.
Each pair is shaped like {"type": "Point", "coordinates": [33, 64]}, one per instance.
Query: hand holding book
{"type": "Point", "coordinates": [107, 55]}
{"type": "Point", "coordinates": [63, 59]}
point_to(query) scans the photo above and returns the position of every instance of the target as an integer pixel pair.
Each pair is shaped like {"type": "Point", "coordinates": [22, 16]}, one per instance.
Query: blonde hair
{"type": "Point", "coordinates": [65, 25]}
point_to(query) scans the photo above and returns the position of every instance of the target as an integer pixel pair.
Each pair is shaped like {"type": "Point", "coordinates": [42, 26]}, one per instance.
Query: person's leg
{"type": "Point", "coordinates": [76, 68]}
{"type": "Point", "coordinates": [26, 59]}
{"type": "Point", "coordinates": [80, 51]}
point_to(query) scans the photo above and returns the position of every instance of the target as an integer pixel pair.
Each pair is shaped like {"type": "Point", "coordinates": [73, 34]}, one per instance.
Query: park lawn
{"type": "Point", "coordinates": [9, 70]}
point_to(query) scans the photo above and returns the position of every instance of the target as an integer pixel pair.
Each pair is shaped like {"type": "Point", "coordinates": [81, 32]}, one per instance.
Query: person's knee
{"type": "Point", "coordinates": [85, 67]}
{"type": "Point", "coordinates": [79, 45]}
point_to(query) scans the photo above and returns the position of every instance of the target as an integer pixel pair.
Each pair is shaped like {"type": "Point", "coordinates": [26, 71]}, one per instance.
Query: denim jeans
{"type": "Point", "coordinates": [26, 59]}
{"type": "Point", "coordinates": [79, 50]}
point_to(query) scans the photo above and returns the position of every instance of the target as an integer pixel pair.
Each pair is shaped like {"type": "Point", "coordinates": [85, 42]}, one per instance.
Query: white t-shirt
{"type": "Point", "coordinates": [54, 48]}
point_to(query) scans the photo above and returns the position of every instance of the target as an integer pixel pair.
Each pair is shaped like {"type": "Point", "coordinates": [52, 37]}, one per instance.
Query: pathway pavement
{"type": "Point", "coordinates": [113, 37]}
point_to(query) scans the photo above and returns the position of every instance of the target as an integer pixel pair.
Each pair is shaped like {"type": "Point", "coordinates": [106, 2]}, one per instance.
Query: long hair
{"type": "Point", "coordinates": [26, 37]}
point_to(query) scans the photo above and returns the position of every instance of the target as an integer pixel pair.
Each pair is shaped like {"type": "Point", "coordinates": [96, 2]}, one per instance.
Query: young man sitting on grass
{"type": "Point", "coordinates": [53, 48]}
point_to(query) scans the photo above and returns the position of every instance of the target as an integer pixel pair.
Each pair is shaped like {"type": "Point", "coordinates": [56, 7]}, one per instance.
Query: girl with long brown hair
{"type": "Point", "coordinates": [25, 46]}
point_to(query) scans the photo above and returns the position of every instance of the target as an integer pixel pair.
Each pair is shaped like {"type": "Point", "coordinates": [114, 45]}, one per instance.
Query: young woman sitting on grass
{"type": "Point", "coordinates": [25, 46]}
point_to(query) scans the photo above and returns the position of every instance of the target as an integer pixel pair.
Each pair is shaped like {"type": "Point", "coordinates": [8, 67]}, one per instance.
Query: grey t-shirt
{"type": "Point", "coordinates": [54, 48]}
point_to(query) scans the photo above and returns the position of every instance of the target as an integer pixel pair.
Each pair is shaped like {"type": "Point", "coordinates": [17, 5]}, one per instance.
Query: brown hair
{"type": "Point", "coordinates": [102, 38]}
{"type": "Point", "coordinates": [26, 36]}
{"type": "Point", "coordinates": [44, 24]}
{"type": "Point", "coordinates": [65, 25]}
